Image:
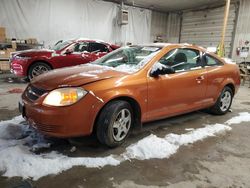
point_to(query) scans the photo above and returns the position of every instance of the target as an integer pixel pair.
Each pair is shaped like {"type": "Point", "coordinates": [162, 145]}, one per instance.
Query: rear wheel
{"type": "Point", "coordinates": [114, 123]}
{"type": "Point", "coordinates": [37, 69]}
{"type": "Point", "coordinates": [223, 103]}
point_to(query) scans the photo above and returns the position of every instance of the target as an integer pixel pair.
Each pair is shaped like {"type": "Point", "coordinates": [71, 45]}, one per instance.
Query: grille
{"type": "Point", "coordinates": [34, 93]}
{"type": "Point", "coordinates": [48, 128]}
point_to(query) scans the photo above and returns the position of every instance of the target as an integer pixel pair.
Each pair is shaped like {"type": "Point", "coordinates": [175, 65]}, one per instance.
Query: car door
{"type": "Point", "coordinates": [75, 54]}
{"type": "Point", "coordinates": [215, 77]}
{"type": "Point", "coordinates": [181, 91]}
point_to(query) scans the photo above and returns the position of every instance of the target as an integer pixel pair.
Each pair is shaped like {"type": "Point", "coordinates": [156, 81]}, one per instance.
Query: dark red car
{"type": "Point", "coordinates": [31, 63]}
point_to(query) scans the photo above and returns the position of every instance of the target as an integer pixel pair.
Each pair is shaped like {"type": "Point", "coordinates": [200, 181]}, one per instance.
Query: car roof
{"type": "Point", "coordinates": [162, 45]}
{"type": "Point", "coordinates": [89, 40]}
{"type": "Point", "coordinates": [179, 45]}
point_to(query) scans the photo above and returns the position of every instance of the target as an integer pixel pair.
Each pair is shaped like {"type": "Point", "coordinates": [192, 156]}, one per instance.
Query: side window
{"type": "Point", "coordinates": [98, 47]}
{"type": "Point", "coordinates": [211, 61]}
{"type": "Point", "coordinates": [81, 47]}
{"type": "Point", "coordinates": [182, 59]}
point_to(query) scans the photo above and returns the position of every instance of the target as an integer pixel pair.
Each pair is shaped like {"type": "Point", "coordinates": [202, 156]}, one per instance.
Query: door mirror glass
{"type": "Point", "coordinates": [160, 69]}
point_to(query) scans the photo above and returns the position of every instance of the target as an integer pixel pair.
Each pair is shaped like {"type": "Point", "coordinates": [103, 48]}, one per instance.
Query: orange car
{"type": "Point", "coordinates": [128, 87]}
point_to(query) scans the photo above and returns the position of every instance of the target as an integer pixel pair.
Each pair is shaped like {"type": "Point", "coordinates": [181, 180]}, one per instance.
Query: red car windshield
{"type": "Point", "coordinates": [60, 45]}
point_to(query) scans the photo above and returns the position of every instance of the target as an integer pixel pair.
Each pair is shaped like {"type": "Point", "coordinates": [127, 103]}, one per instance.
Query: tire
{"type": "Point", "coordinates": [37, 69]}
{"type": "Point", "coordinates": [223, 103]}
{"type": "Point", "coordinates": [114, 123]}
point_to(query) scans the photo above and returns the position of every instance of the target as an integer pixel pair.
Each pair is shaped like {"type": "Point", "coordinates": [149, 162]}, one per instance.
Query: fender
{"type": "Point", "coordinates": [227, 81]}
{"type": "Point", "coordinates": [102, 102]}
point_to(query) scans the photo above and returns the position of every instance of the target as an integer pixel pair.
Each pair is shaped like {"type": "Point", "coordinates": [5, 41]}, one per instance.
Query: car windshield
{"type": "Point", "coordinates": [60, 45]}
{"type": "Point", "coordinates": [128, 59]}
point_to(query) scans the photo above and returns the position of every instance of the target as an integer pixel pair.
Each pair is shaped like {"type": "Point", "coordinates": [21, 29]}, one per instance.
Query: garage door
{"type": "Point", "coordinates": [204, 27]}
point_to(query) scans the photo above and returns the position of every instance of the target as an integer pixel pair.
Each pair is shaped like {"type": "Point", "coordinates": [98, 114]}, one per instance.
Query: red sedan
{"type": "Point", "coordinates": [31, 63]}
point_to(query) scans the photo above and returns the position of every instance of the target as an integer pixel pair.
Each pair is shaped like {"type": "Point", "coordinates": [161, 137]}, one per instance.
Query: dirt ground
{"type": "Point", "coordinates": [222, 161]}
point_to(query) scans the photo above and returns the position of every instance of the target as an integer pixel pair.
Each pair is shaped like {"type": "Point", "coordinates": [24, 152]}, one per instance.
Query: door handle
{"type": "Point", "coordinates": [199, 79]}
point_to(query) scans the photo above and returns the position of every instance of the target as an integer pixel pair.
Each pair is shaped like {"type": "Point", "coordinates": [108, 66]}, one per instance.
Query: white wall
{"type": "Point", "coordinates": [166, 25]}
{"type": "Point", "coordinates": [53, 20]}
{"type": "Point", "coordinates": [139, 27]}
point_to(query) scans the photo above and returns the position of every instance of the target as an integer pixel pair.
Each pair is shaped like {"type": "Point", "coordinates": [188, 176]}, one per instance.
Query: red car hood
{"type": "Point", "coordinates": [33, 52]}
{"type": "Point", "coordinates": [74, 76]}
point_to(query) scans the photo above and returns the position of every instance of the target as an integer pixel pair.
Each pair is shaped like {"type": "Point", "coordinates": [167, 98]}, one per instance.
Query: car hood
{"type": "Point", "coordinates": [74, 76]}
{"type": "Point", "coordinates": [33, 52]}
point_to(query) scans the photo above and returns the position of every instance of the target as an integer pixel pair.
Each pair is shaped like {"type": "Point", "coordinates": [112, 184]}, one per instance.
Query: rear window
{"type": "Point", "coordinates": [211, 61]}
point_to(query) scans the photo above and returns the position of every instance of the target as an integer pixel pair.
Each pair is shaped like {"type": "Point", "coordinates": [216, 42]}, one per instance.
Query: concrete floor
{"type": "Point", "coordinates": [222, 161]}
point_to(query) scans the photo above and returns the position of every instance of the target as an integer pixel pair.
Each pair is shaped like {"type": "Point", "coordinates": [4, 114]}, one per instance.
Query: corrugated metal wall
{"type": "Point", "coordinates": [166, 25]}
{"type": "Point", "coordinates": [243, 28]}
{"type": "Point", "coordinates": [204, 27]}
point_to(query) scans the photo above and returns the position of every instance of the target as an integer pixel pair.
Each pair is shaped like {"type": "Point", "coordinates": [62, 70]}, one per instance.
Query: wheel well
{"type": "Point", "coordinates": [38, 61]}
{"type": "Point", "coordinates": [135, 107]}
{"type": "Point", "coordinates": [232, 87]}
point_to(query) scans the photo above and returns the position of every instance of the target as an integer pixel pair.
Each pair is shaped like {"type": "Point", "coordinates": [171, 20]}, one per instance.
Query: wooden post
{"type": "Point", "coordinates": [222, 43]}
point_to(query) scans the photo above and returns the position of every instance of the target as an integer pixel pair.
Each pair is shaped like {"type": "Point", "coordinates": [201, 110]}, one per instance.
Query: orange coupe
{"type": "Point", "coordinates": [128, 87]}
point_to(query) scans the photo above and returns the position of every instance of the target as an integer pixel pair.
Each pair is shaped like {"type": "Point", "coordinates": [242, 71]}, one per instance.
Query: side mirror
{"type": "Point", "coordinates": [160, 69]}
{"type": "Point", "coordinates": [68, 51]}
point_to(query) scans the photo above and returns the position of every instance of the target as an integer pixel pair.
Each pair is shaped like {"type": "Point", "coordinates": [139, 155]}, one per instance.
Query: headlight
{"type": "Point", "coordinates": [64, 96]}
{"type": "Point", "coordinates": [21, 57]}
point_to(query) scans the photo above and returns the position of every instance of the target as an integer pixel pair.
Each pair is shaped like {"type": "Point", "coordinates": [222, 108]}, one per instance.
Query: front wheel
{"type": "Point", "coordinates": [223, 103]}
{"type": "Point", "coordinates": [114, 123]}
{"type": "Point", "coordinates": [38, 68]}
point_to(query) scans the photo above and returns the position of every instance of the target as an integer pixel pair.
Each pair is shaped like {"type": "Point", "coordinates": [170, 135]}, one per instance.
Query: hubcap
{"type": "Point", "coordinates": [225, 101]}
{"type": "Point", "coordinates": [121, 125]}
{"type": "Point", "coordinates": [39, 69]}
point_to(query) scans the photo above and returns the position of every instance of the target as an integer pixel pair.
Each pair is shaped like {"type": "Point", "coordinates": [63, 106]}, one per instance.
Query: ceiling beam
{"type": "Point", "coordinates": [154, 8]}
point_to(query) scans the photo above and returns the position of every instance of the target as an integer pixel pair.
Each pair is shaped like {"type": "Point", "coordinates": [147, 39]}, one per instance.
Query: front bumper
{"type": "Point", "coordinates": [69, 121]}
{"type": "Point", "coordinates": [19, 67]}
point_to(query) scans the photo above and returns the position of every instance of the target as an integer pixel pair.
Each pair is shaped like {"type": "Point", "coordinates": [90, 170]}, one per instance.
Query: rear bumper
{"type": "Point", "coordinates": [70, 121]}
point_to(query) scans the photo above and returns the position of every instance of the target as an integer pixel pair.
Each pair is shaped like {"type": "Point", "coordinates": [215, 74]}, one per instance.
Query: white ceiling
{"type": "Point", "coordinates": [172, 5]}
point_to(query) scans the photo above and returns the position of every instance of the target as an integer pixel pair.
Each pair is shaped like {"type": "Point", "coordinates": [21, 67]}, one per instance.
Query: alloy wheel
{"type": "Point", "coordinates": [39, 69]}
{"type": "Point", "coordinates": [121, 125]}
{"type": "Point", "coordinates": [225, 101]}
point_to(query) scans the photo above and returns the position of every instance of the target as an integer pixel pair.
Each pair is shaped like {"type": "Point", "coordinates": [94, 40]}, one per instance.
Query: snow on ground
{"type": "Point", "coordinates": [17, 143]}
{"type": "Point", "coordinates": [243, 117]}
{"type": "Point", "coordinates": [150, 147]}
{"type": "Point", "coordinates": [155, 147]}
{"type": "Point", "coordinates": [197, 134]}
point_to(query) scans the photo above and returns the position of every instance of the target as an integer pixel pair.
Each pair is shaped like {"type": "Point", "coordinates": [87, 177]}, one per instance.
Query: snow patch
{"type": "Point", "coordinates": [18, 161]}
{"type": "Point", "coordinates": [150, 147]}
{"type": "Point", "coordinates": [243, 117]}
{"type": "Point", "coordinates": [197, 134]}
{"type": "Point", "coordinates": [189, 129]}
{"type": "Point", "coordinates": [157, 66]}
{"type": "Point", "coordinates": [127, 68]}
{"type": "Point", "coordinates": [155, 147]}
{"type": "Point", "coordinates": [11, 129]}
{"type": "Point", "coordinates": [229, 61]}
{"type": "Point", "coordinates": [17, 157]}
{"type": "Point", "coordinates": [18, 141]}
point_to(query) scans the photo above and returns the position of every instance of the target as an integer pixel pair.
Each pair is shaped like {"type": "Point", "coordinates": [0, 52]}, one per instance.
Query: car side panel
{"type": "Point", "coordinates": [176, 93]}
{"type": "Point", "coordinates": [218, 78]}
